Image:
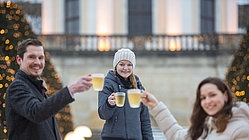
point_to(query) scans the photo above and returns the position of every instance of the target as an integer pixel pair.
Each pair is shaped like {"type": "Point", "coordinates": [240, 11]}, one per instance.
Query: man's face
{"type": "Point", "coordinates": [33, 61]}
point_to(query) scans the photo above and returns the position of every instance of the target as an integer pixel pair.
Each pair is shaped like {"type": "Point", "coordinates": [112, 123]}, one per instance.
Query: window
{"type": "Point", "coordinates": [207, 16]}
{"type": "Point", "coordinates": [139, 17]}
{"type": "Point", "coordinates": [72, 17]}
{"type": "Point", "coordinates": [243, 16]}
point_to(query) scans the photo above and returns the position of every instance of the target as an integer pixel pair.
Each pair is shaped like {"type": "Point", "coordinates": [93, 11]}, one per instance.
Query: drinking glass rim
{"type": "Point", "coordinates": [98, 75]}
{"type": "Point", "coordinates": [138, 91]}
{"type": "Point", "coordinates": [120, 92]}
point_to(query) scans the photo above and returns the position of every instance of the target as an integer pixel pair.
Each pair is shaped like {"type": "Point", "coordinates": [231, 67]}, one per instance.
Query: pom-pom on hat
{"type": "Point", "coordinates": [124, 54]}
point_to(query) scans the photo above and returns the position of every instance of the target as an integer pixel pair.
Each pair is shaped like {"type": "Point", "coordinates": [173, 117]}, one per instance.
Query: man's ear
{"type": "Point", "coordinates": [18, 60]}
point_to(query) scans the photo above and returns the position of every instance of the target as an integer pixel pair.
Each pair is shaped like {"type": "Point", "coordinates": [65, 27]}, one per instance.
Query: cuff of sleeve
{"type": "Point", "coordinates": [160, 106]}
{"type": "Point", "coordinates": [111, 106]}
{"type": "Point", "coordinates": [70, 93]}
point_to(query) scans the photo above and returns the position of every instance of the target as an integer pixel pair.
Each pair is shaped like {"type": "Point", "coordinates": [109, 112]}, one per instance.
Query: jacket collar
{"type": "Point", "coordinates": [39, 83]}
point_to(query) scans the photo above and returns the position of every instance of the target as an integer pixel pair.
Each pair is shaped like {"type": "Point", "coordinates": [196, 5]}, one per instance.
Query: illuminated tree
{"type": "Point", "coordinates": [238, 73]}
{"type": "Point", "coordinates": [13, 29]}
{"type": "Point", "coordinates": [53, 81]}
{"type": "Point", "coordinates": [6, 76]}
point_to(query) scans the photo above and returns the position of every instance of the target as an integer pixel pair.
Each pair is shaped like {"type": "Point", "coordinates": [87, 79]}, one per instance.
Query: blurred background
{"type": "Point", "coordinates": [177, 44]}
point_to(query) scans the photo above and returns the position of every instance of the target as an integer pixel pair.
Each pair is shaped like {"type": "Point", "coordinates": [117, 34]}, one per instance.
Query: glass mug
{"type": "Point", "coordinates": [120, 98]}
{"type": "Point", "coordinates": [98, 81]}
{"type": "Point", "coordinates": [134, 97]}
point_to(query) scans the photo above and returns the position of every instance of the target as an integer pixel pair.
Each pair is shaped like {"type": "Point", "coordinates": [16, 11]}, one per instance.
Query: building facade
{"type": "Point", "coordinates": [129, 17]}
{"type": "Point", "coordinates": [172, 79]}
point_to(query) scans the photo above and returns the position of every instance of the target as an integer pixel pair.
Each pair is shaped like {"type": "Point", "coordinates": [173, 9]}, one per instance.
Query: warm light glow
{"type": "Point", "coordinates": [240, 93]}
{"type": "Point", "coordinates": [178, 44]}
{"type": "Point", "coordinates": [2, 31]}
{"type": "Point", "coordinates": [8, 4]}
{"type": "Point", "coordinates": [103, 45]}
{"type": "Point", "coordinates": [104, 17]}
{"type": "Point", "coordinates": [51, 22]}
{"type": "Point", "coordinates": [174, 18]}
{"type": "Point", "coordinates": [172, 45]}
{"type": "Point", "coordinates": [83, 131]}
{"type": "Point", "coordinates": [73, 136]}
{"type": "Point", "coordinates": [79, 133]}
{"type": "Point", "coordinates": [175, 44]}
{"type": "Point", "coordinates": [7, 58]}
{"type": "Point", "coordinates": [231, 17]}
{"type": "Point", "coordinates": [7, 41]}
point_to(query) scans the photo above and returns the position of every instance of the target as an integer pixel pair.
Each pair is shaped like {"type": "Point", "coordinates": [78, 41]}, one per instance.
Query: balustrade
{"type": "Point", "coordinates": [159, 43]}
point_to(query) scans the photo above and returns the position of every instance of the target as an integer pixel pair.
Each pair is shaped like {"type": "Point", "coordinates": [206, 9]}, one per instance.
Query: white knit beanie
{"type": "Point", "coordinates": [124, 54]}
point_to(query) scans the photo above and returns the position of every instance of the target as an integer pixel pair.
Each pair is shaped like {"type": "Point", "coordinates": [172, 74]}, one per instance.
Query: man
{"type": "Point", "coordinates": [29, 112]}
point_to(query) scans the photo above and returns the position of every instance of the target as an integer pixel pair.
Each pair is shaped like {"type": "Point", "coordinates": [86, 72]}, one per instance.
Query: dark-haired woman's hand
{"type": "Point", "coordinates": [149, 99]}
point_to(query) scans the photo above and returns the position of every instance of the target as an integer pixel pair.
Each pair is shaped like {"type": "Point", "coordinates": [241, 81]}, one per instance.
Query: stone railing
{"type": "Point", "coordinates": [158, 43]}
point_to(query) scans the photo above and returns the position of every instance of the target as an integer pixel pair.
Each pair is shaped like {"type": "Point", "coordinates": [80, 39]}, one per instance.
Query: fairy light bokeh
{"type": "Point", "coordinates": [238, 73]}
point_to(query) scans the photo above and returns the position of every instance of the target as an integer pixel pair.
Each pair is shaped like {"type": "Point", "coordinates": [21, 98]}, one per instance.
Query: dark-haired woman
{"type": "Point", "coordinates": [215, 116]}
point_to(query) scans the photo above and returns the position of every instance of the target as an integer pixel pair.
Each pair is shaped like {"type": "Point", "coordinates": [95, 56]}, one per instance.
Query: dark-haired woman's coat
{"type": "Point", "coordinates": [237, 128]}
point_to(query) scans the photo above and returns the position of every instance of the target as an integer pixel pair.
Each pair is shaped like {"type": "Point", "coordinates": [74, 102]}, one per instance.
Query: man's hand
{"type": "Point", "coordinates": [84, 83]}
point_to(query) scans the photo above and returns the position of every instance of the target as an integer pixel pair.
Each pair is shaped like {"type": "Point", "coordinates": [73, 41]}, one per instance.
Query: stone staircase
{"type": "Point", "coordinates": [158, 134]}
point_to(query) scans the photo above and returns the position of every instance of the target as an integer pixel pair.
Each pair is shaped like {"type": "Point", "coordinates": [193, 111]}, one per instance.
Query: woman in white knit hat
{"type": "Point", "coordinates": [123, 123]}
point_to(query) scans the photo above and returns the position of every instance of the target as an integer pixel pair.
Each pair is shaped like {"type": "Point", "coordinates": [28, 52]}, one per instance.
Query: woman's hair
{"type": "Point", "coordinates": [133, 81]}
{"type": "Point", "coordinates": [131, 78]}
{"type": "Point", "coordinates": [199, 116]}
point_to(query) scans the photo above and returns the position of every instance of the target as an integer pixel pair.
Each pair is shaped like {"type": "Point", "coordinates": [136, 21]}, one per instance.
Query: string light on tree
{"type": "Point", "coordinates": [238, 73]}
